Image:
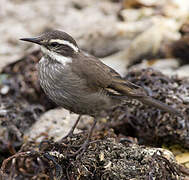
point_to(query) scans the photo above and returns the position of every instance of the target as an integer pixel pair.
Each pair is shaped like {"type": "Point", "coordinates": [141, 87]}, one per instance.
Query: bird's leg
{"type": "Point", "coordinates": [70, 133]}
{"type": "Point", "coordinates": [85, 145]}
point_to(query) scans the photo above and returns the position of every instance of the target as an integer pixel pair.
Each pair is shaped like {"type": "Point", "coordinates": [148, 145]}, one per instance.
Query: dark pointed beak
{"type": "Point", "coordinates": [33, 40]}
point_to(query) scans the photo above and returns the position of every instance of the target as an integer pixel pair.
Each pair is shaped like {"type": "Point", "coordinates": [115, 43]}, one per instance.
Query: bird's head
{"type": "Point", "coordinates": [55, 44]}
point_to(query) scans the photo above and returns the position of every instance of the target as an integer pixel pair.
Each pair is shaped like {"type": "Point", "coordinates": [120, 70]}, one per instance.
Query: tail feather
{"type": "Point", "coordinates": [158, 104]}
{"type": "Point", "coordinates": [137, 92]}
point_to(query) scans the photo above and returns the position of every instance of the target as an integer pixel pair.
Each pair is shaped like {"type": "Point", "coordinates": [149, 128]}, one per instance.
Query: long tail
{"type": "Point", "coordinates": [132, 91]}
{"type": "Point", "coordinates": [158, 104]}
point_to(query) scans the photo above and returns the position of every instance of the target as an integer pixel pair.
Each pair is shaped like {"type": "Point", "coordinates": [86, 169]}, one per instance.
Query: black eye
{"type": "Point", "coordinates": [54, 44]}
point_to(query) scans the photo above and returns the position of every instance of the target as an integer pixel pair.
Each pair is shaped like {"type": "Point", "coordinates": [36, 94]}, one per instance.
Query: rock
{"type": "Point", "coordinates": [54, 124]}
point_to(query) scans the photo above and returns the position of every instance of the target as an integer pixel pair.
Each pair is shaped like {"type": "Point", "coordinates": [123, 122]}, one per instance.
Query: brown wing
{"type": "Point", "coordinates": [93, 70]}
{"type": "Point", "coordinates": [99, 75]}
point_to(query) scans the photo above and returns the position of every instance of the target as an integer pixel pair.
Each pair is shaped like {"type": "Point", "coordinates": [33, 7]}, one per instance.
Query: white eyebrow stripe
{"type": "Point", "coordinates": [65, 43]}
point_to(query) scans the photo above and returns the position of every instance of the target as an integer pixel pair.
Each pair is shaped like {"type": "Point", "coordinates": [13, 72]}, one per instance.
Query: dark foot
{"type": "Point", "coordinates": [81, 150]}
{"type": "Point", "coordinates": [85, 145]}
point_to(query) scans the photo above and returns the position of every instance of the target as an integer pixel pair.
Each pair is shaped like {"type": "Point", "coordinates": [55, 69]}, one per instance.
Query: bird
{"type": "Point", "coordinates": [82, 83]}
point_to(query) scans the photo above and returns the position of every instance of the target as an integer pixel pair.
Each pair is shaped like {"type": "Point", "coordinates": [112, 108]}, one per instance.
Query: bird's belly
{"type": "Point", "coordinates": [76, 99]}
{"type": "Point", "coordinates": [71, 92]}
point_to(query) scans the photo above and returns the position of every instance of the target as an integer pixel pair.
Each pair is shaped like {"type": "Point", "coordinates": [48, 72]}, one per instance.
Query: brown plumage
{"type": "Point", "coordinates": [81, 83]}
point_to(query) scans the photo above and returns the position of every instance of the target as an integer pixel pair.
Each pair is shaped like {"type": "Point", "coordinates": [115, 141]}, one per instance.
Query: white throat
{"type": "Point", "coordinates": [55, 56]}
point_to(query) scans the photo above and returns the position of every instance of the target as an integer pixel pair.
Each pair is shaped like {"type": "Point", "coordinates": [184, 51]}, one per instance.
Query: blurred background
{"type": "Point", "coordinates": [139, 33]}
